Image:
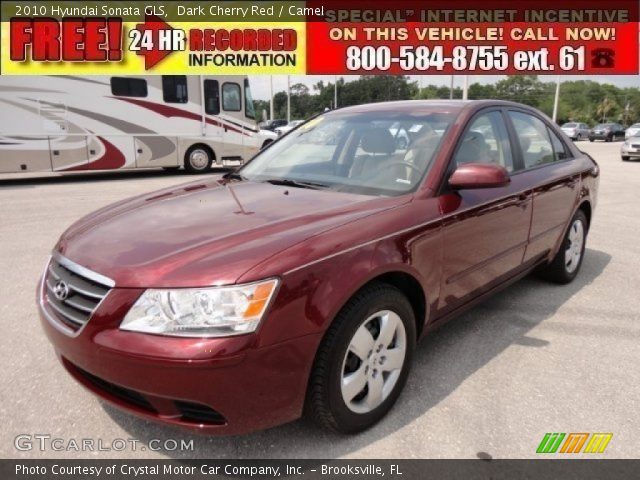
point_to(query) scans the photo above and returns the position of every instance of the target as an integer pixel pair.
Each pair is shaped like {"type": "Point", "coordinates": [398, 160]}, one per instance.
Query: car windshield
{"type": "Point", "coordinates": [603, 125]}
{"type": "Point", "coordinates": [635, 125]}
{"type": "Point", "coordinates": [379, 153]}
{"type": "Point", "coordinates": [569, 125]}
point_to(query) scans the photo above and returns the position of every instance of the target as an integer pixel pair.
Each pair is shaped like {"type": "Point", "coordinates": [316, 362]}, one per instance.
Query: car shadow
{"type": "Point", "coordinates": [443, 361]}
{"type": "Point", "coordinates": [17, 180]}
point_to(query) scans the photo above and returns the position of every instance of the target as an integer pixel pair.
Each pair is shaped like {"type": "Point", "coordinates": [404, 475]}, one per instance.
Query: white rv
{"type": "Point", "coordinates": [70, 123]}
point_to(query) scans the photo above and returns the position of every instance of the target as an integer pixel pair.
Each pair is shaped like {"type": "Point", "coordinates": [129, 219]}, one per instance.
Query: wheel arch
{"type": "Point", "coordinates": [404, 281]}
{"type": "Point", "coordinates": [586, 208]}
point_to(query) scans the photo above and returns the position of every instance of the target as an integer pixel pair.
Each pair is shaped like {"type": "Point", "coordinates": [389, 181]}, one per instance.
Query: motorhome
{"type": "Point", "coordinates": [71, 123]}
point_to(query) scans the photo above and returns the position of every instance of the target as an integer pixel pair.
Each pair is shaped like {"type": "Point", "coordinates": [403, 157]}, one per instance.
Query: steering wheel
{"type": "Point", "coordinates": [400, 163]}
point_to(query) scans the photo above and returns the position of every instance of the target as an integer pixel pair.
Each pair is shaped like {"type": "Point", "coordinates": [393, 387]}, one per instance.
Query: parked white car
{"type": "Point", "coordinates": [632, 131]}
{"type": "Point", "coordinates": [631, 148]}
{"type": "Point", "coordinates": [288, 127]}
{"type": "Point", "coordinates": [267, 137]}
{"type": "Point", "coordinates": [575, 130]}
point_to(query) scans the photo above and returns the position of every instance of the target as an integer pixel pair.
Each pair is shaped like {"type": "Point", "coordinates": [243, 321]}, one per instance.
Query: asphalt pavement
{"type": "Point", "coordinates": [536, 358]}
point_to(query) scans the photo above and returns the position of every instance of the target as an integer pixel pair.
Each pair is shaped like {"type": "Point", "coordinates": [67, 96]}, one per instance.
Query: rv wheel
{"type": "Point", "coordinates": [198, 159]}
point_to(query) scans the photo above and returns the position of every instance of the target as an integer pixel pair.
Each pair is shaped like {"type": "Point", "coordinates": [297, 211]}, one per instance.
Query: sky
{"type": "Point", "coordinates": [260, 84]}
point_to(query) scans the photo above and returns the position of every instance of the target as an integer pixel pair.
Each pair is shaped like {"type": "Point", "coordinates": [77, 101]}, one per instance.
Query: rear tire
{"type": "Point", "coordinates": [362, 363]}
{"type": "Point", "coordinates": [198, 159]}
{"type": "Point", "coordinates": [566, 264]}
{"type": "Point", "coordinates": [624, 159]}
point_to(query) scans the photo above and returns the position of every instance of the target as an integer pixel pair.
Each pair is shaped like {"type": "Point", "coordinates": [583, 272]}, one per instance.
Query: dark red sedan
{"type": "Point", "coordinates": [301, 282]}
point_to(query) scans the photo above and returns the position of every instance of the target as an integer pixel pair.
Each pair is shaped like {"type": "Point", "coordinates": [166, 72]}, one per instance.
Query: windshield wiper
{"type": "Point", "coordinates": [234, 176]}
{"type": "Point", "coordinates": [289, 182]}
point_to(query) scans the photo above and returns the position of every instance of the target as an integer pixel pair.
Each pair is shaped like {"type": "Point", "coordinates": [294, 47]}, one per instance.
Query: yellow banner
{"type": "Point", "coordinates": [37, 46]}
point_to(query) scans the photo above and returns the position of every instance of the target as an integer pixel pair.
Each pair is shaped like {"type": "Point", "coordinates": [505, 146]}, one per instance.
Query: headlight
{"type": "Point", "coordinates": [201, 312]}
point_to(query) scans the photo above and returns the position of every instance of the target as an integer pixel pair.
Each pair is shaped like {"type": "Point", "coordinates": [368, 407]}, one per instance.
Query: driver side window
{"type": "Point", "coordinates": [486, 141]}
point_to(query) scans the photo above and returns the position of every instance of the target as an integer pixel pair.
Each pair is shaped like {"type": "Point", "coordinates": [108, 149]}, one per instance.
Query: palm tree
{"type": "Point", "coordinates": [603, 108]}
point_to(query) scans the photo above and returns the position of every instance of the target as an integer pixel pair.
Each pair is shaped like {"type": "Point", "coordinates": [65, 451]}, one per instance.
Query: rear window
{"type": "Point", "coordinates": [128, 87]}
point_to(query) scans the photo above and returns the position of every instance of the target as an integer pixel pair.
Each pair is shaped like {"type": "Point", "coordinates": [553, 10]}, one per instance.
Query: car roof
{"type": "Point", "coordinates": [416, 106]}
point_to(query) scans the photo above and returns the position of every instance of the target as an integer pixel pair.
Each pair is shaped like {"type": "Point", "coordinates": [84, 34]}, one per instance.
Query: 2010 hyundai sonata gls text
{"type": "Point", "coordinates": [301, 282]}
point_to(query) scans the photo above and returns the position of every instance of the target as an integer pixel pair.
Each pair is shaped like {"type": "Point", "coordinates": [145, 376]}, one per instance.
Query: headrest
{"type": "Point", "coordinates": [473, 148]}
{"type": "Point", "coordinates": [378, 140]}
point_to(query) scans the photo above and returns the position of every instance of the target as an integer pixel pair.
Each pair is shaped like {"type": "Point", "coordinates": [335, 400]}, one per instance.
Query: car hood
{"type": "Point", "coordinates": [205, 233]}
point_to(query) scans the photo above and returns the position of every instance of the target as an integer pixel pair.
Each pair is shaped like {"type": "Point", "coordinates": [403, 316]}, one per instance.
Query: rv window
{"type": "Point", "coordinates": [128, 87]}
{"type": "Point", "coordinates": [174, 88]}
{"type": "Point", "coordinates": [211, 97]}
{"type": "Point", "coordinates": [249, 108]}
{"type": "Point", "coordinates": [231, 97]}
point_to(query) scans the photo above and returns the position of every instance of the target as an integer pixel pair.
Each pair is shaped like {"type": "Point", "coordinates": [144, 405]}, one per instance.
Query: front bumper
{"type": "Point", "coordinates": [626, 151]}
{"type": "Point", "coordinates": [211, 385]}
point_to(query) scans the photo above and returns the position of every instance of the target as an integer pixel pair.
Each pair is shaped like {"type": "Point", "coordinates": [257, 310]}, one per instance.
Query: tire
{"type": "Point", "coordinates": [591, 140]}
{"type": "Point", "coordinates": [266, 144]}
{"type": "Point", "coordinates": [624, 159]}
{"type": "Point", "coordinates": [566, 264]}
{"type": "Point", "coordinates": [359, 327]}
{"type": "Point", "coordinates": [608, 139]}
{"type": "Point", "coordinates": [198, 159]}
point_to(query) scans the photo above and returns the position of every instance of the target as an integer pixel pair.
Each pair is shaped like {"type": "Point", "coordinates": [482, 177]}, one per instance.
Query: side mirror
{"type": "Point", "coordinates": [479, 175]}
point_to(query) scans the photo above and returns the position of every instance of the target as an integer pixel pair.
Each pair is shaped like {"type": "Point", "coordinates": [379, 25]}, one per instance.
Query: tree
{"type": "Point", "coordinates": [604, 108]}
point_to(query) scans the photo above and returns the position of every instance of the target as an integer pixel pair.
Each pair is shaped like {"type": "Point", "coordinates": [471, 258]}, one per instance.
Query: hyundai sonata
{"type": "Point", "coordinates": [301, 282]}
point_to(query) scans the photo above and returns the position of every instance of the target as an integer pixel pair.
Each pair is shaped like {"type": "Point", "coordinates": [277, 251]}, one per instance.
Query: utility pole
{"type": "Point", "coordinates": [288, 98]}
{"type": "Point", "coordinates": [335, 92]}
{"type": "Point", "coordinates": [271, 99]}
{"type": "Point", "coordinates": [556, 99]}
{"type": "Point", "coordinates": [451, 87]}
{"type": "Point", "coordinates": [465, 88]}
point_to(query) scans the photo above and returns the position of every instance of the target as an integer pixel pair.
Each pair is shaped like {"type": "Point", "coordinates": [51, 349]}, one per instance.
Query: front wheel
{"type": "Point", "coordinates": [625, 158]}
{"type": "Point", "coordinates": [363, 361]}
{"type": "Point", "coordinates": [566, 264]}
{"type": "Point", "coordinates": [198, 159]}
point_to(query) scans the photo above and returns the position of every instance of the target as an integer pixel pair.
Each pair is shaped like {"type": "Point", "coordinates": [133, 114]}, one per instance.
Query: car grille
{"type": "Point", "coordinates": [190, 412]}
{"type": "Point", "coordinates": [125, 394]}
{"type": "Point", "coordinates": [197, 413]}
{"type": "Point", "coordinates": [72, 295]}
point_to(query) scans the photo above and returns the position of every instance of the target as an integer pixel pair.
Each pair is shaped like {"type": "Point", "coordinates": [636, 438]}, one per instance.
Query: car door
{"type": "Point", "coordinates": [548, 167]}
{"type": "Point", "coordinates": [485, 230]}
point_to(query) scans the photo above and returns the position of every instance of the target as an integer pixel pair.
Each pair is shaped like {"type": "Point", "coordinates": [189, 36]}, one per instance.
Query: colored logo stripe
{"type": "Point", "coordinates": [550, 443]}
{"type": "Point", "coordinates": [574, 442]}
{"type": "Point", "coordinates": [598, 442]}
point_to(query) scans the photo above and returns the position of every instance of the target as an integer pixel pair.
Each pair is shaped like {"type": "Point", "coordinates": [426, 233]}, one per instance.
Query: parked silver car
{"type": "Point", "coordinates": [632, 131]}
{"type": "Point", "coordinates": [630, 149]}
{"type": "Point", "coordinates": [575, 130]}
